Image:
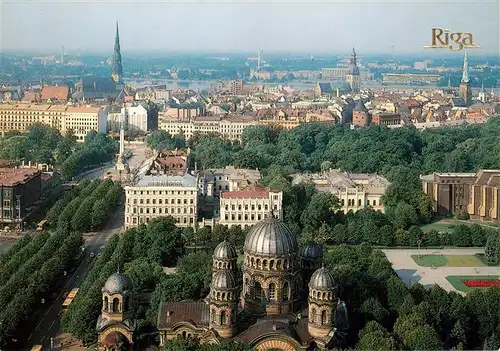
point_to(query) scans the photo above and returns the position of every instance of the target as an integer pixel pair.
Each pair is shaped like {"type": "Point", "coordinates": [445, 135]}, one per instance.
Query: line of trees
{"type": "Point", "coordinates": [141, 252]}
{"type": "Point", "coordinates": [97, 149]}
{"type": "Point", "coordinates": [21, 294]}
{"type": "Point", "coordinates": [86, 207]}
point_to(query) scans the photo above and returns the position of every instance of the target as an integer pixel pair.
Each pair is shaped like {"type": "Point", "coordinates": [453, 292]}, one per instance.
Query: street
{"type": "Point", "coordinates": [49, 325]}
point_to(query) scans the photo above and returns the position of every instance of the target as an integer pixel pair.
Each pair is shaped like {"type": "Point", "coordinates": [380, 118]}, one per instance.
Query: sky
{"type": "Point", "coordinates": [395, 27]}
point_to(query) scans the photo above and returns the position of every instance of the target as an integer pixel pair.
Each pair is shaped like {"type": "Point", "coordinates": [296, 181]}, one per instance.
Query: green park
{"type": "Point", "coordinates": [448, 260]}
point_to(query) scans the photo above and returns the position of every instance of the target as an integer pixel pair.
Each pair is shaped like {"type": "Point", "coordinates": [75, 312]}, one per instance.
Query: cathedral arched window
{"type": "Point", "coordinates": [223, 318]}
{"type": "Point", "coordinates": [285, 291]}
{"type": "Point", "coordinates": [264, 264]}
{"type": "Point", "coordinates": [313, 312]}
{"type": "Point", "coordinates": [271, 264]}
{"type": "Point", "coordinates": [323, 317]}
{"type": "Point", "coordinates": [223, 296]}
{"type": "Point", "coordinates": [116, 305]}
{"type": "Point", "coordinates": [213, 315]}
{"type": "Point", "coordinates": [258, 291]}
{"type": "Point", "coordinates": [105, 306]}
{"type": "Point", "coordinates": [272, 291]}
{"type": "Point", "coordinates": [247, 288]}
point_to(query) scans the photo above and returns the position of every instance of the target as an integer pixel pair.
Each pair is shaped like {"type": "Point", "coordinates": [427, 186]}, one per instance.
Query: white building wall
{"type": "Point", "coordinates": [247, 211]}
{"type": "Point", "coordinates": [142, 204]}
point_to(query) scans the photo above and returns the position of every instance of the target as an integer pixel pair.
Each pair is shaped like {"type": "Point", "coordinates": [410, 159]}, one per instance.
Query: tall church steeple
{"type": "Point", "coordinates": [464, 89]}
{"type": "Point", "coordinates": [465, 70]}
{"type": "Point", "coordinates": [117, 70]}
{"type": "Point", "coordinates": [352, 76]}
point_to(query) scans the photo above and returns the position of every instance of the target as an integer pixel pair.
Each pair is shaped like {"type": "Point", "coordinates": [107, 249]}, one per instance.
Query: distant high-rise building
{"type": "Point", "coordinates": [353, 77]}
{"type": "Point", "coordinates": [464, 89]}
{"type": "Point", "coordinates": [117, 70]}
{"type": "Point", "coordinates": [236, 87]}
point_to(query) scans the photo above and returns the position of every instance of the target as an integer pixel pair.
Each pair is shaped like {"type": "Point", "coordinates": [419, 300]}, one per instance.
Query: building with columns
{"type": "Point", "coordinates": [267, 310]}
{"type": "Point", "coordinates": [476, 193]}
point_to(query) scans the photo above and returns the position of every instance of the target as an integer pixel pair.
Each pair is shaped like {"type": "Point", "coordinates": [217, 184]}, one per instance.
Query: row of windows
{"type": "Point", "coordinates": [252, 217]}
{"type": "Point", "coordinates": [351, 202]}
{"type": "Point", "coordinates": [263, 264]}
{"type": "Point", "coordinates": [271, 291]}
{"type": "Point", "coordinates": [160, 210]}
{"type": "Point", "coordinates": [259, 207]}
{"type": "Point", "coordinates": [142, 220]}
{"type": "Point", "coordinates": [160, 192]}
{"type": "Point", "coordinates": [160, 201]}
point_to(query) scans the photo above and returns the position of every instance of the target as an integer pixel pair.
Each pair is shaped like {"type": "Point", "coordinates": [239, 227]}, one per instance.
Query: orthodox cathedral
{"type": "Point", "coordinates": [284, 299]}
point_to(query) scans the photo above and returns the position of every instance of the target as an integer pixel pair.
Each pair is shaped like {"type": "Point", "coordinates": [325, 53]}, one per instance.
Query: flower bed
{"type": "Point", "coordinates": [481, 283]}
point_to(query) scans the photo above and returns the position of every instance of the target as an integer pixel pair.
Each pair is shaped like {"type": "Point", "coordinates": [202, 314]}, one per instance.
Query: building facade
{"type": "Point", "coordinates": [269, 298]}
{"type": "Point", "coordinates": [143, 117]}
{"type": "Point", "coordinates": [386, 118]}
{"type": "Point", "coordinates": [80, 119]}
{"type": "Point", "coordinates": [355, 191]}
{"type": "Point", "coordinates": [20, 189]}
{"type": "Point", "coordinates": [360, 115]}
{"type": "Point", "coordinates": [236, 87]}
{"type": "Point", "coordinates": [162, 195]}
{"type": "Point", "coordinates": [230, 127]}
{"type": "Point", "coordinates": [476, 193]}
{"type": "Point", "coordinates": [247, 206]}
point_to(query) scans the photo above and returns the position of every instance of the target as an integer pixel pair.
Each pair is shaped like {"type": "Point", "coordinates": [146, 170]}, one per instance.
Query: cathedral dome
{"type": "Point", "coordinates": [225, 251]}
{"type": "Point", "coordinates": [322, 279]}
{"type": "Point", "coordinates": [311, 251]}
{"type": "Point", "coordinates": [224, 280]}
{"type": "Point", "coordinates": [270, 237]}
{"type": "Point", "coordinates": [117, 283]}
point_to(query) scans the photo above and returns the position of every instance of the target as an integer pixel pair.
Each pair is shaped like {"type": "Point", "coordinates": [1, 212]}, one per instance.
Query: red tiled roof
{"type": "Point", "coordinates": [55, 93]}
{"type": "Point", "coordinates": [252, 191]}
{"type": "Point", "coordinates": [31, 96]}
{"type": "Point", "coordinates": [15, 176]}
{"type": "Point", "coordinates": [411, 103]}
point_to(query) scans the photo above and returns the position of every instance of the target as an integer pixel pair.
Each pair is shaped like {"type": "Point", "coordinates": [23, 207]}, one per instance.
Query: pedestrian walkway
{"type": "Point", "coordinates": [410, 272]}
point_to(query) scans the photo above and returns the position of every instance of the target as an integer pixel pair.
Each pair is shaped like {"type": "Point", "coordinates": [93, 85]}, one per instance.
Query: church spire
{"type": "Point", "coordinates": [465, 70]}
{"type": "Point", "coordinates": [116, 67]}
{"type": "Point", "coordinates": [449, 81]}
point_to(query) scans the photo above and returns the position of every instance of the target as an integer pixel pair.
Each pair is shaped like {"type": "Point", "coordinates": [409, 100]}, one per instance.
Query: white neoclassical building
{"type": "Point", "coordinates": [162, 195]}
{"type": "Point", "coordinates": [354, 190]}
{"type": "Point", "coordinates": [250, 205]}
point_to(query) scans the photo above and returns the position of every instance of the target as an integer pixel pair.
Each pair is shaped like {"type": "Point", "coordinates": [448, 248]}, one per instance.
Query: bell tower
{"type": "Point", "coordinates": [322, 303]}
{"type": "Point", "coordinates": [464, 89]}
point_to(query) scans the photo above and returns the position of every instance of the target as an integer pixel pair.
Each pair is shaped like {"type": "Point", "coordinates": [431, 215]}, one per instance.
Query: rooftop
{"type": "Point", "coordinates": [15, 176]}
{"type": "Point", "coordinates": [186, 180]}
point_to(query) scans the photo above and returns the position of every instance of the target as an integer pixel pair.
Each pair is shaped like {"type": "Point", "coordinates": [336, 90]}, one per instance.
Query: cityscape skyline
{"type": "Point", "coordinates": [217, 27]}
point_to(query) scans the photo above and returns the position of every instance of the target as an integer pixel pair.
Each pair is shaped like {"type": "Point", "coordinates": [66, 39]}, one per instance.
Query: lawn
{"type": "Point", "coordinates": [457, 281]}
{"type": "Point", "coordinates": [438, 226]}
{"type": "Point", "coordinates": [448, 261]}
{"type": "Point", "coordinates": [445, 225]}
